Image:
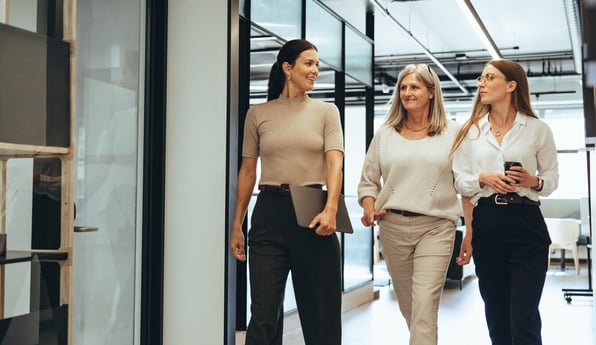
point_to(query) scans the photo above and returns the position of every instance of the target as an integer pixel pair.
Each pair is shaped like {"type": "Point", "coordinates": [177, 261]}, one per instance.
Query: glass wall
{"type": "Point", "coordinates": [359, 56]}
{"type": "Point", "coordinates": [568, 128]}
{"type": "Point", "coordinates": [357, 246]}
{"type": "Point", "coordinates": [109, 50]}
{"type": "Point", "coordinates": [268, 33]}
{"type": "Point", "coordinates": [358, 256]}
{"type": "Point", "coordinates": [282, 17]}
{"type": "Point", "coordinates": [325, 31]}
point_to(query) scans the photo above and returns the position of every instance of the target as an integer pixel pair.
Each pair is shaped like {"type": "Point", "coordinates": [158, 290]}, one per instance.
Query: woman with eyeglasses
{"type": "Point", "coordinates": [504, 159]}
{"type": "Point", "coordinates": [407, 187]}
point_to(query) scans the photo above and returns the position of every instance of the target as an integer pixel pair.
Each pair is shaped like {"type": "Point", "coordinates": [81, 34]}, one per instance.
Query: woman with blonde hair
{"type": "Point", "coordinates": [504, 158]}
{"type": "Point", "coordinates": [407, 186]}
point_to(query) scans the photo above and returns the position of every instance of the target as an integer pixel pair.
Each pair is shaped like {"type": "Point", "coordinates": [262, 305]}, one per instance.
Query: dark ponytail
{"type": "Point", "coordinates": [276, 81]}
{"type": "Point", "coordinates": [289, 52]}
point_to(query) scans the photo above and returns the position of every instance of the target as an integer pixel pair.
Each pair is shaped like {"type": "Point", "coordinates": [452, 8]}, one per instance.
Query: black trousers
{"type": "Point", "coordinates": [277, 245]}
{"type": "Point", "coordinates": [510, 250]}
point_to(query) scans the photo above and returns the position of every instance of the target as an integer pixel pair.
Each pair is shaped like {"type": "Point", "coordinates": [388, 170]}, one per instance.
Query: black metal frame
{"type": "Point", "coordinates": [569, 293]}
{"type": "Point", "coordinates": [152, 266]}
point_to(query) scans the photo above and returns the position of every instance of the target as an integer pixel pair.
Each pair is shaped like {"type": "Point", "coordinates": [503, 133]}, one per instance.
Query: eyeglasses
{"type": "Point", "coordinates": [421, 65]}
{"type": "Point", "coordinates": [485, 79]}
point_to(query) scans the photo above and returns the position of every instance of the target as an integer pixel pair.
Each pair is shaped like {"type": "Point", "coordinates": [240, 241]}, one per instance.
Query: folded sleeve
{"type": "Point", "coordinates": [466, 179]}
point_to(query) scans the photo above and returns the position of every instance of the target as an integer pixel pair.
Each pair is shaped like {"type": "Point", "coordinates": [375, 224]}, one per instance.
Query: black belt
{"type": "Point", "coordinates": [506, 199]}
{"type": "Point", "coordinates": [283, 188]}
{"type": "Point", "coordinates": [404, 213]}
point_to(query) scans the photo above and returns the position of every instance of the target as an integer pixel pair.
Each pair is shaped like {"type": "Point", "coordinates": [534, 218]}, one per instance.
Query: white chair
{"type": "Point", "coordinates": [563, 234]}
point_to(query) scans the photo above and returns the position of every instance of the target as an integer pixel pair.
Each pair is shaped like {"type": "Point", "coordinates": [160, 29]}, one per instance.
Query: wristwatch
{"type": "Point", "coordinates": [538, 188]}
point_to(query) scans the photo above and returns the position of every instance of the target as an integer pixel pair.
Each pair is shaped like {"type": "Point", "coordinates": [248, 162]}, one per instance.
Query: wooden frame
{"type": "Point", "coordinates": [66, 156]}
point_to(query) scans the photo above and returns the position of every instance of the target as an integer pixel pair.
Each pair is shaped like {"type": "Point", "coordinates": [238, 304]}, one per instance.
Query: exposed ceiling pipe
{"type": "Point", "coordinates": [572, 14]}
{"type": "Point", "coordinates": [427, 52]}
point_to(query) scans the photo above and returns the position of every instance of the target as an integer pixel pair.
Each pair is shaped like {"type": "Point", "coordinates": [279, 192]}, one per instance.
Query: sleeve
{"type": "Point", "coordinates": [547, 163]}
{"type": "Point", "coordinates": [466, 179]}
{"type": "Point", "coordinates": [334, 137]}
{"type": "Point", "coordinates": [250, 144]}
{"type": "Point", "coordinates": [370, 178]}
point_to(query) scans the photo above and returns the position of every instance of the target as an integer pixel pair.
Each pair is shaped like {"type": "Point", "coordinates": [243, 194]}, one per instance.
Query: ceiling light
{"type": "Point", "coordinates": [573, 22]}
{"type": "Point", "coordinates": [262, 38]}
{"type": "Point", "coordinates": [461, 56]}
{"type": "Point", "coordinates": [473, 17]}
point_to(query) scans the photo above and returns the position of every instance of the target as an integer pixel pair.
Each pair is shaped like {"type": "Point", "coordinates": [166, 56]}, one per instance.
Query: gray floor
{"type": "Point", "coordinates": [461, 316]}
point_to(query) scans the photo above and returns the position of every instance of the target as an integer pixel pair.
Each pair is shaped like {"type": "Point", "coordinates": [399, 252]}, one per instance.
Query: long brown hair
{"type": "Point", "coordinates": [397, 115]}
{"type": "Point", "coordinates": [520, 98]}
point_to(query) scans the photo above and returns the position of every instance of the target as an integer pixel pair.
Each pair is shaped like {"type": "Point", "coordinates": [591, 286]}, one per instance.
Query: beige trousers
{"type": "Point", "coordinates": [417, 251]}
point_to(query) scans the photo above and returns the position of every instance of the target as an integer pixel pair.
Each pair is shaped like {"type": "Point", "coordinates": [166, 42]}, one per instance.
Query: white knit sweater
{"type": "Point", "coordinates": [411, 175]}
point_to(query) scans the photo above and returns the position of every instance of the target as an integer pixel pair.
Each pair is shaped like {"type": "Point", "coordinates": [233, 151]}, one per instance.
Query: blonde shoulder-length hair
{"type": "Point", "coordinates": [397, 115]}
{"type": "Point", "coordinates": [520, 98]}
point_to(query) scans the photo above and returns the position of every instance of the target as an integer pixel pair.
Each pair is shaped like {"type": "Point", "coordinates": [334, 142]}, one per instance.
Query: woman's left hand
{"type": "Point", "coordinates": [521, 177]}
{"type": "Point", "coordinates": [324, 223]}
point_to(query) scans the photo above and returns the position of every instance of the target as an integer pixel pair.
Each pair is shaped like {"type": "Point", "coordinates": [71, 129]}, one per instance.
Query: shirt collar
{"type": "Point", "coordinates": [520, 119]}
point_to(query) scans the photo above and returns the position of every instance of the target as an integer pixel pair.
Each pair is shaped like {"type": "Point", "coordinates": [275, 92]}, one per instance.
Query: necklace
{"type": "Point", "coordinates": [415, 130]}
{"type": "Point", "coordinates": [498, 131]}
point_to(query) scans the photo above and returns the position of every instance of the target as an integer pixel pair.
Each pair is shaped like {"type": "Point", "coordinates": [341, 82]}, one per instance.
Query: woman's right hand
{"type": "Point", "coordinates": [498, 182]}
{"type": "Point", "coordinates": [370, 217]}
{"type": "Point", "coordinates": [465, 252]}
{"type": "Point", "coordinates": [237, 245]}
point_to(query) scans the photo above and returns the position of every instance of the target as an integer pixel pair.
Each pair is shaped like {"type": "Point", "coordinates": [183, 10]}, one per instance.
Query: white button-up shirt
{"type": "Point", "coordinates": [530, 141]}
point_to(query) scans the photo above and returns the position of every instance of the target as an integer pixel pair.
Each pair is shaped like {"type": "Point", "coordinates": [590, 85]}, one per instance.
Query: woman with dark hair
{"type": "Point", "coordinates": [504, 158]}
{"type": "Point", "coordinates": [299, 141]}
{"type": "Point", "coordinates": [407, 185]}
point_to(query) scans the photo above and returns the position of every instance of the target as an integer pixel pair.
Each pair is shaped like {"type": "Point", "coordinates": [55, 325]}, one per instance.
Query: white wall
{"type": "Point", "coordinates": [194, 299]}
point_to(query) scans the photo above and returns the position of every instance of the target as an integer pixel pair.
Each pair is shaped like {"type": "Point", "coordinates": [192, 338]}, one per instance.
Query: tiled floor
{"type": "Point", "coordinates": [461, 316]}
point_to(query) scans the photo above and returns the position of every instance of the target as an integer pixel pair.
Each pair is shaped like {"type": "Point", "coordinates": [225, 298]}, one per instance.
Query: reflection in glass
{"type": "Point", "coordinates": [357, 246]}
{"type": "Point", "coordinates": [359, 57]}
{"type": "Point", "coordinates": [47, 206]}
{"type": "Point", "coordinates": [32, 310]}
{"type": "Point", "coordinates": [325, 31]}
{"type": "Point", "coordinates": [281, 17]}
{"type": "Point", "coordinates": [106, 159]}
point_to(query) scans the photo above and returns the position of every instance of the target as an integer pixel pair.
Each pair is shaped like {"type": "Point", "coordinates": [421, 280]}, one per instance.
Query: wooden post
{"type": "Point", "coordinates": [69, 35]}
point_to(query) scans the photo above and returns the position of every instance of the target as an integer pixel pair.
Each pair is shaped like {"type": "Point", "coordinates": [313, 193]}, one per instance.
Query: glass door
{"type": "Point", "coordinates": [108, 93]}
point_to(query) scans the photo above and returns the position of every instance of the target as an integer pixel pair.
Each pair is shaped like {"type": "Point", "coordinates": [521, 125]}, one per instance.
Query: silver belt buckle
{"type": "Point", "coordinates": [499, 201]}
